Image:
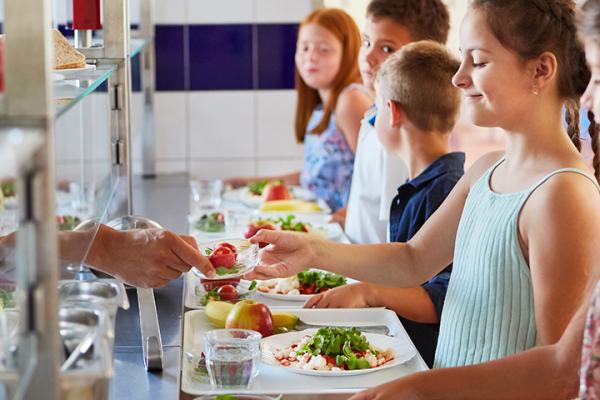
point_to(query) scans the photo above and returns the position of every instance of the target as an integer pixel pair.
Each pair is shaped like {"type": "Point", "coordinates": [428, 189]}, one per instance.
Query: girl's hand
{"type": "Point", "coordinates": [287, 254]}
{"type": "Point", "coordinates": [395, 390]}
{"type": "Point", "coordinates": [339, 217]}
{"type": "Point", "coordinates": [348, 296]}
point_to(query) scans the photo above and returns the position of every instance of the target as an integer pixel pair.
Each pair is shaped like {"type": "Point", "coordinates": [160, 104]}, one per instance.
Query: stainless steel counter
{"type": "Point", "coordinates": [165, 200]}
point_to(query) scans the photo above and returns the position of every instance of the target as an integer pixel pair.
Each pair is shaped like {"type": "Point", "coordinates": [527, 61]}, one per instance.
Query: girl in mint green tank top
{"type": "Point", "coordinates": [521, 230]}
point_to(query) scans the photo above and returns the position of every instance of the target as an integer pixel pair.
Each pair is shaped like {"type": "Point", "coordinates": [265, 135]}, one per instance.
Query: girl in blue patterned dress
{"type": "Point", "coordinates": [330, 105]}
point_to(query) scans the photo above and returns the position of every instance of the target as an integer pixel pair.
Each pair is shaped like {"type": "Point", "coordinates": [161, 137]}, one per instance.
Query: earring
{"type": "Point", "coordinates": [536, 90]}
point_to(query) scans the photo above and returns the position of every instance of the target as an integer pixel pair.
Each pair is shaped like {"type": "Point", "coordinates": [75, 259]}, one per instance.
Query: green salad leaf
{"type": "Point", "coordinates": [288, 224]}
{"type": "Point", "coordinates": [345, 345]}
{"type": "Point", "coordinates": [8, 189]}
{"type": "Point", "coordinates": [321, 279]}
{"type": "Point", "coordinates": [257, 187]}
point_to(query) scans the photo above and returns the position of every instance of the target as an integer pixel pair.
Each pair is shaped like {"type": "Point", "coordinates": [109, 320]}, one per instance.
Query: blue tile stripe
{"type": "Point", "coordinates": [225, 57]}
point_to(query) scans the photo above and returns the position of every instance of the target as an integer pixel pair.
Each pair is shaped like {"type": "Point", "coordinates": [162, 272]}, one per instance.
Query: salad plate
{"type": "Point", "coordinates": [231, 258]}
{"type": "Point", "coordinates": [302, 286]}
{"type": "Point", "coordinates": [382, 352]}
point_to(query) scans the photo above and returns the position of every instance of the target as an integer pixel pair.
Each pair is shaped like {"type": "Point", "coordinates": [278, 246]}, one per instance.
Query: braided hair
{"type": "Point", "coordinates": [532, 27]}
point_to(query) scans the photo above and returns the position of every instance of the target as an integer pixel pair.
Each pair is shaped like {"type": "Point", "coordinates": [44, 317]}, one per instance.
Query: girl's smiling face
{"type": "Point", "coordinates": [318, 56]}
{"type": "Point", "coordinates": [591, 98]}
{"type": "Point", "coordinates": [496, 84]}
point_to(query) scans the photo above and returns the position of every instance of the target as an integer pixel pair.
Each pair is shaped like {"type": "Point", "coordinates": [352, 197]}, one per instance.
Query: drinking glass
{"type": "Point", "coordinates": [205, 194]}
{"type": "Point", "coordinates": [237, 221]}
{"type": "Point", "coordinates": [232, 357]}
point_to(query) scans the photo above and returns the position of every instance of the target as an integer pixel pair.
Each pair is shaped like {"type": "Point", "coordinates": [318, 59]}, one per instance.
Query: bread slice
{"type": "Point", "coordinates": [65, 56]}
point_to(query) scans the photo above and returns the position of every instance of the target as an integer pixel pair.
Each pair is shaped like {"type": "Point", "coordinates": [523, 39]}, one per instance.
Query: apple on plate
{"type": "Point", "coordinates": [250, 314]}
{"type": "Point", "coordinates": [257, 226]}
{"type": "Point", "coordinates": [276, 190]}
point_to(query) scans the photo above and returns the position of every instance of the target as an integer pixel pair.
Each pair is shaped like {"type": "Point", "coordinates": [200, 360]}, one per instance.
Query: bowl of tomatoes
{"type": "Point", "coordinates": [231, 259]}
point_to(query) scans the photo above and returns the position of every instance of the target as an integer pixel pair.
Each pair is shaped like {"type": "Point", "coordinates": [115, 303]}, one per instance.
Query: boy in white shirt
{"type": "Point", "coordinates": [390, 25]}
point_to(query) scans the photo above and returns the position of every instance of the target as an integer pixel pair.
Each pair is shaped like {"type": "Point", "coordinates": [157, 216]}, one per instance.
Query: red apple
{"type": "Point", "coordinates": [228, 293]}
{"type": "Point", "coordinates": [276, 191]}
{"type": "Point", "coordinates": [250, 314]}
{"type": "Point", "coordinates": [212, 284]}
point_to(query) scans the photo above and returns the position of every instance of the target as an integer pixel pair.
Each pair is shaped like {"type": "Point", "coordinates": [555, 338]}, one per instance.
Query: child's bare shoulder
{"type": "Point", "coordinates": [352, 101]}
{"type": "Point", "coordinates": [482, 164]}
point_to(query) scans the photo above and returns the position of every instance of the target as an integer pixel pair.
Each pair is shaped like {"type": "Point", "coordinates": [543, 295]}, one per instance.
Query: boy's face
{"type": "Point", "coordinates": [388, 135]}
{"type": "Point", "coordinates": [381, 37]}
{"type": "Point", "coordinates": [591, 98]}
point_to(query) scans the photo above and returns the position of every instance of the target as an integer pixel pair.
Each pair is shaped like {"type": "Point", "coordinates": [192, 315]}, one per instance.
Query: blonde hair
{"type": "Point", "coordinates": [343, 27]}
{"type": "Point", "coordinates": [419, 78]}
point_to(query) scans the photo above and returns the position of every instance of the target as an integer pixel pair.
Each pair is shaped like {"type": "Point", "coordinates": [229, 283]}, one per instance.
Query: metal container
{"type": "Point", "coordinates": [89, 376]}
{"type": "Point", "coordinates": [109, 293]}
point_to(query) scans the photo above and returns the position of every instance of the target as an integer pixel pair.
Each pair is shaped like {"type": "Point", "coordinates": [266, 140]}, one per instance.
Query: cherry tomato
{"type": "Point", "coordinates": [221, 218]}
{"type": "Point", "coordinates": [228, 293]}
{"type": "Point", "coordinates": [228, 245]}
{"type": "Point", "coordinates": [222, 257]}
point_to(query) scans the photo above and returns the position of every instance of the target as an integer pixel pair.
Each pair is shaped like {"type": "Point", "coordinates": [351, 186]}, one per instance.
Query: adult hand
{"type": "Point", "coordinates": [348, 296]}
{"type": "Point", "coordinates": [146, 257]}
{"type": "Point", "coordinates": [287, 254]}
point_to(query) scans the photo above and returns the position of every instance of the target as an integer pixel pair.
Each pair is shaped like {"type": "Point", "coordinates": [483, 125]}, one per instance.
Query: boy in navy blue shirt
{"type": "Point", "coordinates": [417, 107]}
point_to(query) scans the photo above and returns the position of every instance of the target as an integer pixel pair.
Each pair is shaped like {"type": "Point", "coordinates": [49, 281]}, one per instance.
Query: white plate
{"type": "Point", "coordinates": [403, 349]}
{"type": "Point", "coordinates": [67, 70]}
{"type": "Point", "coordinates": [295, 297]}
{"type": "Point", "coordinates": [247, 256]}
{"type": "Point", "coordinates": [287, 297]}
{"type": "Point", "coordinates": [244, 196]}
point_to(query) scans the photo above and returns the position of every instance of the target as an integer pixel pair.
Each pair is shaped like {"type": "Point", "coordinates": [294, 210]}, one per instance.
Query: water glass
{"type": "Point", "coordinates": [83, 198]}
{"type": "Point", "coordinates": [237, 221]}
{"type": "Point", "coordinates": [9, 221]}
{"type": "Point", "coordinates": [232, 357]}
{"type": "Point", "coordinates": [205, 194]}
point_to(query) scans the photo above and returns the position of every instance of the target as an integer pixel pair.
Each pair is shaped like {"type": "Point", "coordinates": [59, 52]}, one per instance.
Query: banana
{"type": "Point", "coordinates": [290, 205]}
{"type": "Point", "coordinates": [217, 311]}
{"type": "Point", "coordinates": [284, 320]}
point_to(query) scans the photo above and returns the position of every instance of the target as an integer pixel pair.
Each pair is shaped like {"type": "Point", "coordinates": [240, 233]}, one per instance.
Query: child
{"type": "Point", "coordinates": [417, 107]}
{"type": "Point", "coordinates": [329, 107]}
{"type": "Point", "coordinates": [518, 226]}
{"type": "Point", "coordinates": [390, 25]}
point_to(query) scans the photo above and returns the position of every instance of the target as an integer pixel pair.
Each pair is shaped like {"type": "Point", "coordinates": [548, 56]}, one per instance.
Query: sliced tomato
{"type": "Point", "coordinates": [308, 289]}
{"type": "Point", "coordinates": [330, 360]}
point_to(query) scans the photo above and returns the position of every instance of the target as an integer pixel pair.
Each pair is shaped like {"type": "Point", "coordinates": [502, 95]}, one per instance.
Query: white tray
{"type": "Point", "coordinates": [274, 380]}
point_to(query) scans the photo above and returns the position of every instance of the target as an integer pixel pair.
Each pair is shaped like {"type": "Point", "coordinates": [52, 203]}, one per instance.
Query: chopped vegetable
{"type": "Point", "coordinates": [8, 189]}
{"type": "Point", "coordinates": [316, 281]}
{"type": "Point", "coordinates": [212, 223]}
{"type": "Point", "coordinates": [258, 187]}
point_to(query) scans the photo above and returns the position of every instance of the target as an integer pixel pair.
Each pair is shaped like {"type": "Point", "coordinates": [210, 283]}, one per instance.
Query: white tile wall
{"type": "Point", "coordinates": [275, 124]}
{"type": "Point", "coordinates": [171, 122]}
{"type": "Point", "coordinates": [137, 125]}
{"type": "Point", "coordinates": [170, 11]}
{"type": "Point", "coordinates": [220, 11]}
{"type": "Point", "coordinates": [281, 11]}
{"type": "Point", "coordinates": [278, 166]}
{"type": "Point", "coordinates": [222, 124]}
{"type": "Point", "coordinates": [222, 168]}
{"type": "Point", "coordinates": [165, 167]}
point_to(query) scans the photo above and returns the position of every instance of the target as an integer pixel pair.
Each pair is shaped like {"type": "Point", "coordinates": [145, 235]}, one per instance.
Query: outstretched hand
{"type": "Point", "coordinates": [146, 257]}
{"type": "Point", "coordinates": [287, 254]}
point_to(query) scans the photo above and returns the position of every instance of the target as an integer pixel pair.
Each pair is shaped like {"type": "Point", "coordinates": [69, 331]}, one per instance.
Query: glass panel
{"type": "Point", "coordinates": [137, 45]}
{"type": "Point", "coordinates": [71, 86]}
{"type": "Point", "coordinates": [84, 172]}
